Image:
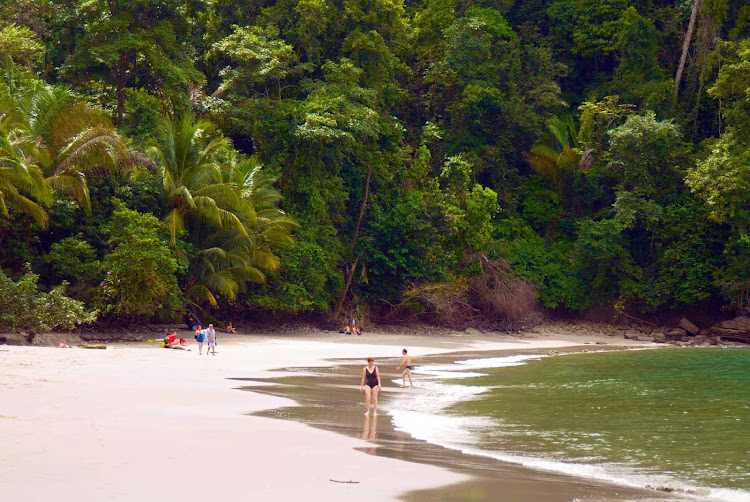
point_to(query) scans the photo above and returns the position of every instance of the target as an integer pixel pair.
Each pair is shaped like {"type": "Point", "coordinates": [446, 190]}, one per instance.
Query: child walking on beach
{"type": "Point", "coordinates": [406, 364]}
{"type": "Point", "coordinates": [371, 385]}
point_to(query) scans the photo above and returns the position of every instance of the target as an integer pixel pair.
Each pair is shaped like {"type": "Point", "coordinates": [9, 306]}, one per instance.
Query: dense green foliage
{"type": "Point", "coordinates": [326, 156]}
{"type": "Point", "coordinates": [24, 307]}
{"type": "Point", "coordinates": [139, 273]}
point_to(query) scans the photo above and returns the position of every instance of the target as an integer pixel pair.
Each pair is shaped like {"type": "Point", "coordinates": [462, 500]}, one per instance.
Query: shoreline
{"type": "Point", "coordinates": [548, 329]}
{"type": "Point", "coordinates": [325, 404]}
{"type": "Point", "coordinates": [138, 421]}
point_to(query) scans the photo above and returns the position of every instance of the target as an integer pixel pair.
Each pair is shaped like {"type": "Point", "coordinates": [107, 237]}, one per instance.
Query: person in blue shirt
{"type": "Point", "coordinates": [200, 337]}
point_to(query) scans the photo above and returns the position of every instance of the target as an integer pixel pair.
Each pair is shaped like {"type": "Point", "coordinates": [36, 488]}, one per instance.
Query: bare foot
{"type": "Point", "coordinates": [375, 414]}
{"type": "Point", "coordinates": [367, 413]}
{"type": "Point", "coordinates": [402, 386]}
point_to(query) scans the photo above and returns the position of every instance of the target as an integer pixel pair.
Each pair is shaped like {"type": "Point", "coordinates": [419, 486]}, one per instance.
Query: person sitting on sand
{"type": "Point", "coordinates": [371, 385]}
{"type": "Point", "coordinates": [172, 342]}
{"type": "Point", "coordinates": [170, 339]}
{"type": "Point", "coordinates": [347, 330]}
{"type": "Point", "coordinates": [200, 337]}
{"type": "Point", "coordinates": [230, 329]}
{"type": "Point", "coordinates": [355, 329]}
{"type": "Point", "coordinates": [211, 337]}
{"type": "Point", "coordinates": [406, 364]}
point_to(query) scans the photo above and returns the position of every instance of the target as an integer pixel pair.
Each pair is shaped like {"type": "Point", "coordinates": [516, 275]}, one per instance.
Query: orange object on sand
{"type": "Point", "coordinates": [62, 346]}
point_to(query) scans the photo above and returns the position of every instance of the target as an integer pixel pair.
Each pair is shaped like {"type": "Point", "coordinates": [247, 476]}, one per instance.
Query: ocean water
{"type": "Point", "coordinates": [676, 419]}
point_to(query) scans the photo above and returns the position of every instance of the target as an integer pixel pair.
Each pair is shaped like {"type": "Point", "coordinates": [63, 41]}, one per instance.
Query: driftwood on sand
{"type": "Point", "coordinates": [93, 346]}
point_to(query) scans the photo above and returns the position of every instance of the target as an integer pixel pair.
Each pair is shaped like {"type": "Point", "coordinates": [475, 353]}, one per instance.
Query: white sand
{"type": "Point", "coordinates": [136, 422]}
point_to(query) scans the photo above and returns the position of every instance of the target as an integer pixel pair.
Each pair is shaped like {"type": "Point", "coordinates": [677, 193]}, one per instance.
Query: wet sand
{"type": "Point", "coordinates": [328, 399]}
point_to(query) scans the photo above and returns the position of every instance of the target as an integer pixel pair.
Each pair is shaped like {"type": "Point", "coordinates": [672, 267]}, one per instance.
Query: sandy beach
{"type": "Point", "coordinates": [138, 422]}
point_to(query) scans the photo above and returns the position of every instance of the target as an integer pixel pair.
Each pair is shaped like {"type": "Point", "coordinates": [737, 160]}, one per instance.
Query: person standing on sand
{"type": "Point", "coordinates": [406, 364]}
{"type": "Point", "coordinates": [371, 385]}
{"type": "Point", "coordinates": [211, 338]}
{"type": "Point", "coordinates": [200, 337]}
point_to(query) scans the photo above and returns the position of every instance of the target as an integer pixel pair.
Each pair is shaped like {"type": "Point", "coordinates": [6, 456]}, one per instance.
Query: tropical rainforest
{"type": "Point", "coordinates": [442, 160]}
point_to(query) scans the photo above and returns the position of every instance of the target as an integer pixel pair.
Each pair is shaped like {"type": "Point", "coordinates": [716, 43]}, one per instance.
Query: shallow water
{"type": "Point", "coordinates": [664, 418]}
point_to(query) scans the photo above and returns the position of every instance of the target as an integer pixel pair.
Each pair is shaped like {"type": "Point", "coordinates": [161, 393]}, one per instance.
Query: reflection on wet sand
{"type": "Point", "coordinates": [370, 429]}
{"type": "Point", "coordinates": [370, 432]}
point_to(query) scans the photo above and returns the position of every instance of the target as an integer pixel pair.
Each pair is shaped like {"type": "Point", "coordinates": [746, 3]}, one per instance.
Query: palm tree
{"type": "Point", "coordinates": [227, 260]}
{"type": "Point", "coordinates": [56, 137]}
{"type": "Point", "coordinates": [20, 179]}
{"type": "Point", "coordinates": [223, 265]}
{"type": "Point", "coordinates": [268, 225]}
{"type": "Point", "coordinates": [189, 154]}
{"type": "Point", "coordinates": [556, 153]}
{"type": "Point", "coordinates": [70, 139]}
{"type": "Point", "coordinates": [225, 202]}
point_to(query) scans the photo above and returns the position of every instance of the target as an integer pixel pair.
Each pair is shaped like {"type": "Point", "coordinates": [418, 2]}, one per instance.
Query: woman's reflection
{"type": "Point", "coordinates": [370, 429]}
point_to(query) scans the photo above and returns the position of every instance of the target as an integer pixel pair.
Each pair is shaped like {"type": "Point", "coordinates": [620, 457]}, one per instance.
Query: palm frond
{"type": "Point", "coordinates": [3, 206]}
{"type": "Point", "coordinates": [200, 293]}
{"type": "Point", "coordinates": [93, 147]}
{"type": "Point", "coordinates": [224, 283]}
{"type": "Point", "coordinates": [208, 210]}
{"type": "Point", "coordinates": [544, 150]}
{"type": "Point", "coordinates": [72, 184]}
{"type": "Point", "coordinates": [175, 223]}
{"type": "Point", "coordinates": [25, 205]}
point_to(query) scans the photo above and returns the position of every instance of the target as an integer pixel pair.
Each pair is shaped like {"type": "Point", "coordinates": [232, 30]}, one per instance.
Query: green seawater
{"type": "Point", "coordinates": [680, 414]}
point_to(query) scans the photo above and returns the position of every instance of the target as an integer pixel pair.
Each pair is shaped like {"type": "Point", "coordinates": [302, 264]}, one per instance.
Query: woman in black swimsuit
{"type": "Point", "coordinates": [371, 385]}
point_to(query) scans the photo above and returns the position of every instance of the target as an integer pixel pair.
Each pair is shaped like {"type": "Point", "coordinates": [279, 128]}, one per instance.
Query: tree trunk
{"type": "Point", "coordinates": [120, 72]}
{"type": "Point", "coordinates": [697, 108]}
{"type": "Point", "coordinates": [120, 103]}
{"type": "Point", "coordinates": [361, 210]}
{"type": "Point", "coordinates": [685, 47]}
{"type": "Point", "coordinates": [340, 305]}
{"type": "Point", "coordinates": [350, 270]}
